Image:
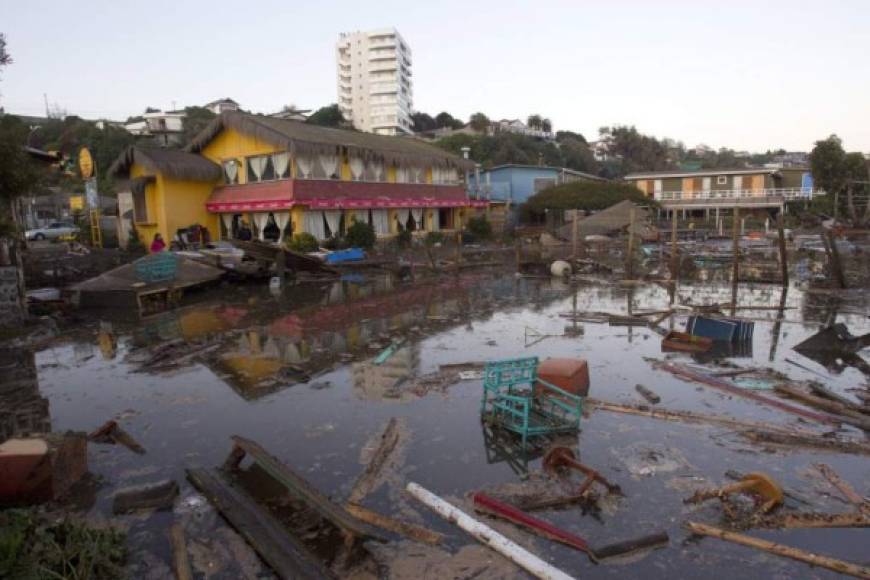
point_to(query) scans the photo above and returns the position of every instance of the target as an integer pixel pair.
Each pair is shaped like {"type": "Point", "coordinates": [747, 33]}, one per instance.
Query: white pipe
{"type": "Point", "coordinates": [487, 536]}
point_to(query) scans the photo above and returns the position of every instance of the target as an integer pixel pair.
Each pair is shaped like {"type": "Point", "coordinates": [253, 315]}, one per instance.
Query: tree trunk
{"type": "Point", "coordinates": [850, 203]}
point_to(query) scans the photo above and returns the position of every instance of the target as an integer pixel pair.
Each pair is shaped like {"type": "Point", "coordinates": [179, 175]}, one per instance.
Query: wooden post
{"type": "Point", "coordinates": [517, 247]}
{"type": "Point", "coordinates": [834, 260]}
{"type": "Point", "coordinates": [629, 257]}
{"type": "Point", "coordinates": [735, 268]}
{"type": "Point", "coordinates": [180, 561]}
{"type": "Point", "coordinates": [783, 257]}
{"type": "Point", "coordinates": [458, 249]}
{"type": "Point", "coordinates": [574, 234]}
{"type": "Point", "coordinates": [675, 265]}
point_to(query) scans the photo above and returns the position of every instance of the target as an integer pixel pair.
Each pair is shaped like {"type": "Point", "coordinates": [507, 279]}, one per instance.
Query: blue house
{"type": "Point", "coordinates": [517, 183]}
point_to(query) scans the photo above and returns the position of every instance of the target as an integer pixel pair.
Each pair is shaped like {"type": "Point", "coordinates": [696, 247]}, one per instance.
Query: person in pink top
{"type": "Point", "coordinates": [158, 245]}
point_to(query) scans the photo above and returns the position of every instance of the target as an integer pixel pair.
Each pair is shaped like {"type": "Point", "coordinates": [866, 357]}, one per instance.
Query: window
{"type": "Point", "coordinates": [231, 171]}
{"type": "Point", "coordinates": [721, 179]}
{"type": "Point", "coordinates": [140, 205]}
{"type": "Point", "coordinates": [268, 167]}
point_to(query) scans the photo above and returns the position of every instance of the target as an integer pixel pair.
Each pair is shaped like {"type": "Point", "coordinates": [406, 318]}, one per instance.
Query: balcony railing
{"type": "Point", "coordinates": [787, 193]}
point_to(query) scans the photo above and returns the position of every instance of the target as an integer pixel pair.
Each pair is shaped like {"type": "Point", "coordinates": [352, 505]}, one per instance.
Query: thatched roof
{"type": "Point", "coordinates": [170, 162]}
{"type": "Point", "coordinates": [303, 138]}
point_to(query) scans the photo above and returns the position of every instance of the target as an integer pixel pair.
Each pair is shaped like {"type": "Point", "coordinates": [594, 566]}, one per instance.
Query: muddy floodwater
{"type": "Point", "coordinates": [291, 371]}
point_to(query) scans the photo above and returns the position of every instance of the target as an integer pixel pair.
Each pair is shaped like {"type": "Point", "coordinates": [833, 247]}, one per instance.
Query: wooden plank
{"type": "Point", "coordinates": [730, 388]}
{"type": "Point", "coordinates": [312, 496]}
{"type": "Point", "coordinates": [294, 260]}
{"type": "Point", "coordinates": [845, 488]}
{"type": "Point", "coordinates": [781, 550]}
{"type": "Point", "coordinates": [815, 520]}
{"type": "Point", "coordinates": [810, 441]}
{"type": "Point", "coordinates": [843, 413]}
{"type": "Point", "coordinates": [180, 561]}
{"type": "Point", "coordinates": [286, 555]}
{"type": "Point", "coordinates": [366, 481]}
{"type": "Point", "coordinates": [393, 525]}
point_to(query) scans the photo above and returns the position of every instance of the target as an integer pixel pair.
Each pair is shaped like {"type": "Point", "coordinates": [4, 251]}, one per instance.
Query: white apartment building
{"type": "Point", "coordinates": [374, 81]}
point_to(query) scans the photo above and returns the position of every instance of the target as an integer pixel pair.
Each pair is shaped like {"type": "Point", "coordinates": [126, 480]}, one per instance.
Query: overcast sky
{"type": "Point", "coordinates": [743, 74]}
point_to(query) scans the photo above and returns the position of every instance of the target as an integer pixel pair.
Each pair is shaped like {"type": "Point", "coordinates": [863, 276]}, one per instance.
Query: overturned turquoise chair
{"type": "Point", "coordinates": [515, 399]}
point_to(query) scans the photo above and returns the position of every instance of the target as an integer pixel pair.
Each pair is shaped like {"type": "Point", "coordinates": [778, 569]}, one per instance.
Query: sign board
{"type": "Point", "coordinates": [77, 203]}
{"type": "Point", "coordinates": [91, 193]}
{"type": "Point", "coordinates": [86, 163]}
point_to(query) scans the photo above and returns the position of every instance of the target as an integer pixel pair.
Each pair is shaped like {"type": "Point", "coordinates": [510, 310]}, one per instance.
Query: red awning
{"type": "Point", "coordinates": [333, 194]}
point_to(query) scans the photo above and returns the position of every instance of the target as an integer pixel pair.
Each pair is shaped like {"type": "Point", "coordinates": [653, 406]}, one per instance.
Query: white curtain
{"type": "Point", "coordinates": [357, 167]}
{"type": "Point", "coordinates": [436, 175]}
{"type": "Point", "coordinates": [227, 218]}
{"type": "Point", "coordinates": [401, 175]}
{"type": "Point", "coordinates": [231, 169]}
{"type": "Point", "coordinates": [282, 218]}
{"type": "Point", "coordinates": [416, 175]}
{"type": "Point", "coordinates": [436, 219]}
{"type": "Point", "coordinates": [261, 219]}
{"type": "Point", "coordinates": [258, 165]}
{"type": "Point", "coordinates": [303, 164]}
{"type": "Point", "coordinates": [403, 213]}
{"type": "Point", "coordinates": [452, 175]}
{"type": "Point", "coordinates": [361, 215]}
{"type": "Point", "coordinates": [377, 169]}
{"type": "Point", "coordinates": [281, 161]}
{"type": "Point", "coordinates": [314, 224]}
{"type": "Point", "coordinates": [333, 219]}
{"type": "Point", "coordinates": [417, 212]}
{"type": "Point", "coordinates": [329, 164]}
{"type": "Point", "coordinates": [292, 354]}
{"type": "Point", "coordinates": [381, 221]}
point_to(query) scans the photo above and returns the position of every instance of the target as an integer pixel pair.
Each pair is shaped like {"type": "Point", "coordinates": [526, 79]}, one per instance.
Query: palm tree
{"type": "Point", "coordinates": [534, 121]}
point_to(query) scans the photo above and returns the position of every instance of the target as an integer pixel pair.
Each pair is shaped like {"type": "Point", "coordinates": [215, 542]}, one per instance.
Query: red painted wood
{"type": "Point", "coordinates": [491, 505]}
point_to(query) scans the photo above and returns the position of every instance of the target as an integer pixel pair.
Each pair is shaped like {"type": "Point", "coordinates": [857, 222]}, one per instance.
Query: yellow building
{"type": "Point", "coordinates": [275, 177]}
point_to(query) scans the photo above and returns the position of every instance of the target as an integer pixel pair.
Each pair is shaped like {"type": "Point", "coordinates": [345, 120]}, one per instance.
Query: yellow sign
{"type": "Point", "coordinates": [86, 163]}
{"type": "Point", "coordinates": [77, 202]}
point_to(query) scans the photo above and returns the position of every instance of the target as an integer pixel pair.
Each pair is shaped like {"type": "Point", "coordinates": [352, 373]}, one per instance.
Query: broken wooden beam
{"type": "Point", "coordinates": [300, 487]}
{"type": "Point", "coordinates": [411, 531]}
{"type": "Point", "coordinates": [365, 483]}
{"type": "Point", "coordinates": [180, 561]}
{"type": "Point", "coordinates": [286, 555]}
{"type": "Point", "coordinates": [843, 413]}
{"type": "Point", "coordinates": [844, 487]}
{"type": "Point", "coordinates": [111, 432]}
{"type": "Point", "coordinates": [648, 394]}
{"type": "Point", "coordinates": [693, 417]}
{"type": "Point", "coordinates": [39, 469]}
{"type": "Point", "coordinates": [160, 496]}
{"type": "Point", "coordinates": [814, 520]}
{"type": "Point", "coordinates": [716, 383]}
{"type": "Point", "coordinates": [657, 540]}
{"type": "Point", "coordinates": [840, 566]}
{"type": "Point", "coordinates": [810, 441]}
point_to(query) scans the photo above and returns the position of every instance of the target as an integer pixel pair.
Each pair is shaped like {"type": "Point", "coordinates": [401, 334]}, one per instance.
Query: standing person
{"type": "Point", "coordinates": [158, 245]}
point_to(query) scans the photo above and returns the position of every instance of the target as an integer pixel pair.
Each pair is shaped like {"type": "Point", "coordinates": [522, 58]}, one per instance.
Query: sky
{"type": "Point", "coordinates": [749, 75]}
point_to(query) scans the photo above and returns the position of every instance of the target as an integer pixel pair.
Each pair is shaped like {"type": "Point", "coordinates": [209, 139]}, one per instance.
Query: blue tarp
{"type": "Point", "coordinates": [348, 255]}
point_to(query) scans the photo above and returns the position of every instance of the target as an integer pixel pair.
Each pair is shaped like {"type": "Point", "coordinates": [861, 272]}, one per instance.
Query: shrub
{"type": "Point", "coordinates": [433, 238]}
{"type": "Point", "coordinates": [360, 235]}
{"type": "Point", "coordinates": [479, 228]}
{"type": "Point", "coordinates": [303, 242]}
{"type": "Point", "coordinates": [404, 238]}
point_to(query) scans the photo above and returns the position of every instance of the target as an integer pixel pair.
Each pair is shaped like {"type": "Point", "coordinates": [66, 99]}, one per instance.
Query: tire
{"type": "Point", "coordinates": [39, 237]}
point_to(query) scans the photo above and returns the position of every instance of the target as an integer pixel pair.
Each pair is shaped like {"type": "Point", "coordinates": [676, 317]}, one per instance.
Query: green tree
{"type": "Point", "coordinates": [587, 195]}
{"type": "Point", "coordinates": [423, 122]}
{"type": "Point", "coordinates": [546, 125]}
{"type": "Point", "coordinates": [633, 151]}
{"type": "Point", "coordinates": [534, 121]}
{"type": "Point", "coordinates": [328, 116]}
{"type": "Point", "coordinates": [195, 120]}
{"type": "Point", "coordinates": [479, 122]}
{"type": "Point", "coordinates": [445, 120]}
{"type": "Point", "coordinates": [828, 166]}
{"type": "Point", "coordinates": [856, 178]}
{"type": "Point", "coordinates": [360, 235]}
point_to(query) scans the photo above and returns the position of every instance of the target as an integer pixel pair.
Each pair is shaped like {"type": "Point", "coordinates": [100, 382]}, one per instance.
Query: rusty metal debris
{"type": "Point", "coordinates": [763, 488]}
{"type": "Point", "coordinates": [560, 457]}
